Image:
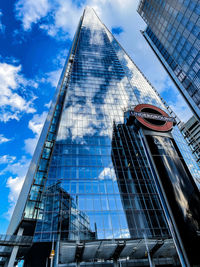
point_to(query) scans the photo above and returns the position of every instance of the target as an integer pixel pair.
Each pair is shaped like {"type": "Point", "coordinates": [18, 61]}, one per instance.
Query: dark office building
{"type": "Point", "coordinates": [173, 32]}
{"type": "Point", "coordinates": [145, 132]}
{"type": "Point", "coordinates": [93, 195]}
{"type": "Point", "coordinates": [138, 192]}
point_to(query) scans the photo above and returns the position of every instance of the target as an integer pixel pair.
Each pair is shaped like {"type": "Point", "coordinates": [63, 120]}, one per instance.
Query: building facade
{"type": "Point", "coordinates": [173, 32]}
{"type": "Point", "coordinates": [91, 196]}
{"type": "Point", "coordinates": [191, 132]}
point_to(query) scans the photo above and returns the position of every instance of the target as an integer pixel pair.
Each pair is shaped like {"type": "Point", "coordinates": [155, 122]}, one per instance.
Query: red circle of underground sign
{"type": "Point", "coordinates": [161, 128]}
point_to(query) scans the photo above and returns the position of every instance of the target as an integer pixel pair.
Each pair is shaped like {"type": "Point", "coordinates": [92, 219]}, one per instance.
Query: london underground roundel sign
{"type": "Point", "coordinates": [153, 118]}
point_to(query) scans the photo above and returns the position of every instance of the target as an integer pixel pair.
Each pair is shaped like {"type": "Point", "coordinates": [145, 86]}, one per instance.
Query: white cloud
{"type": "Point", "coordinates": [17, 169]}
{"type": "Point", "coordinates": [12, 104]}
{"type": "Point", "coordinates": [3, 139]}
{"type": "Point", "coordinates": [59, 15]}
{"type": "Point", "coordinates": [107, 173]}
{"type": "Point", "coordinates": [47, 105]}
{"type": "Point", "coordinates": [5, 159]}
{"type": "Point", "coordinates": [65, 17]}
{"type": "Point", "coordinates": [35, 125]}
{"type": "Point", "coordinates": [31, 11]}
{"type": "Point", "coordinates": [53, 77]}
{"type": "Point", "coordinates": [30, 144]}
{"type": "Point", "coordinates": [14, 185]}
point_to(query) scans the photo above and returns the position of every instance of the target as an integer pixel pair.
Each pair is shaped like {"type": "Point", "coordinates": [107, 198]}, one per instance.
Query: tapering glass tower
{"type": "Point", "coordinates": [92, 192]}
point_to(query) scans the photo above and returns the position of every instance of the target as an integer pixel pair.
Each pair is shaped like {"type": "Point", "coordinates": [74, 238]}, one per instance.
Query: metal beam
{"type": "Point", "coordinates": [15, 240]}
{"type": "Point", "coordinates": [79, 252]}
{"type": "Point", "coordinates": [118, 250]}
{"type": "Point", "coordinates": [156, 247]}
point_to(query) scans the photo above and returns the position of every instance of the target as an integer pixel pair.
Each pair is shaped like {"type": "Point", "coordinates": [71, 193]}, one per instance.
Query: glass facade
{"type": "Point", "coordinates": [173, 32]}
{"type": "Point", "coordinates": [191, 132]}
{"type": "Point", "coordinates": [103, 81]}
{"type": "Point", "coordinates": [93, 180]}
{"type": "Point", "coordinates": [81, 161]}
{"type": "Point", "coordinates": [139, 196]}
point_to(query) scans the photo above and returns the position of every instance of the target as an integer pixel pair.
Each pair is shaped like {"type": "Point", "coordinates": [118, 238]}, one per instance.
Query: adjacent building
{"type": "Point", "coordinates": [94, 194]}
{"type": "Point", "coordinates": [191, 132]}
{"type": "Point", "coordinates": [173, 32]}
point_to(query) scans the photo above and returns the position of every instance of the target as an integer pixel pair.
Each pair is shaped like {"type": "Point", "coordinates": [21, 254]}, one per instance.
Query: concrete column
{"type": "Point", "coordinates": [115, 263]}
{"type": "Point", "coordinates": [51, 262]}
{"type": "Point", "coordinates": [151, 262]}
{"type": "Point", "coordinates": [57, 249]}
{"type": "Point", "coordinates": [14, 251]}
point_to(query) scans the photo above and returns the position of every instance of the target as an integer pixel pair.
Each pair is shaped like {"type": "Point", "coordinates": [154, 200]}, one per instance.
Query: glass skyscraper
{"type": "Point", "coordinates": [92, 193]}
{"type": "Point", "coordinates": [173, 32]}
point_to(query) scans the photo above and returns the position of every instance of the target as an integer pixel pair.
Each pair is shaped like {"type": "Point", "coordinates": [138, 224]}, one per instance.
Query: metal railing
{"type": "Point", "coordinates": [15, 240]}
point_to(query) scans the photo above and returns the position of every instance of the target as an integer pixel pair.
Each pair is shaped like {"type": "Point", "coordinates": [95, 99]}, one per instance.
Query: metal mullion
{"type": "Point", "coordinates": [120, 158]}
{"type": "Point", "coordinates": [147, 210]}
{"type": "Point", "coordinates": [129, 151]}
{"type": "Point", "coordinates": [142, 170]}
{"type": "Point", "coordinates": [132, 208]}
{"type": "Point", "coordinates": [121, 162]}
{"type": "Point", "coordinates": [145, 182]}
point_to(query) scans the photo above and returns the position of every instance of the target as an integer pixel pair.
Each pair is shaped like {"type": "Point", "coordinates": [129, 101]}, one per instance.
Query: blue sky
{"type": "Point", "coordinates": [35, 37]}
